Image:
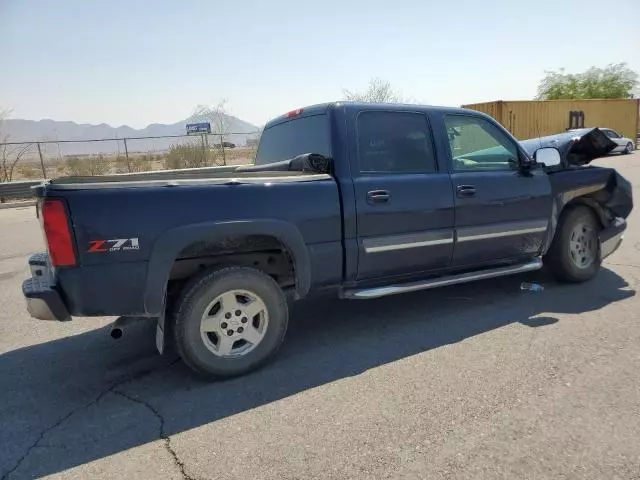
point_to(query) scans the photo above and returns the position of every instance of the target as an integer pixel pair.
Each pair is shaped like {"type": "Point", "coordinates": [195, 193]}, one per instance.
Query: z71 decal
{"type": "Point", "coordinates": [114, 245]}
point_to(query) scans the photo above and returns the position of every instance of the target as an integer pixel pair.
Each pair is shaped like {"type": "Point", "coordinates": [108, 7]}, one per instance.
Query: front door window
{"type": "Point", "coordinates": [478, 145]}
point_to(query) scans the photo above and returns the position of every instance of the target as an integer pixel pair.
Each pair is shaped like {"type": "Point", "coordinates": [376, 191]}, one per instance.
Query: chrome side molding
{"type": "Point", "coordinates": [377, 292]}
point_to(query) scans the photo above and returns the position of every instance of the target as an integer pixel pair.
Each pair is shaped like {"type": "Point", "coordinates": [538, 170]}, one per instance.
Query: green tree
{"type": "Point", "coordinates": [613, 81]}
{"type": "Point", "coordinates": [378, 91]}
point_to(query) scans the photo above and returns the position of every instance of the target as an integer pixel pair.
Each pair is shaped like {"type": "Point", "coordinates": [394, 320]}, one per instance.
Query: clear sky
{"type": "Point", "coordinates": [136, 62]}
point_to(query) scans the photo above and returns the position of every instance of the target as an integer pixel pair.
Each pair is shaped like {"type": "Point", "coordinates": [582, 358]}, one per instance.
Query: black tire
{"type": "Point", "coordinates": [194, 300]}
{"type": "Point", "coordinates": [559, 259]}
{"type": "Point", "coordinates": [628, 149]}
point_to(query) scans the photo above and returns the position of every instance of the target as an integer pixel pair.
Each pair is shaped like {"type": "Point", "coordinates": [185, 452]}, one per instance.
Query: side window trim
{"type": "Point", "coordinates": [429, 131]}
{"type": "Point", "coordinates": [480, 118]}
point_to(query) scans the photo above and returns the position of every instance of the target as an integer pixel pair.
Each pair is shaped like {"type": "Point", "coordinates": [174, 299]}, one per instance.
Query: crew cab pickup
{"type": "Point", "coordinates": [346, 199]}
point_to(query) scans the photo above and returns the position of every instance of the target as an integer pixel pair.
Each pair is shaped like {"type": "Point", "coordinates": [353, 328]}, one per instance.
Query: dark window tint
{"type": "Point", "coordinates": [394, 142]}
{"type": "Point", "coordinates": [611, 134]}
{"type": "Point", "coordinates": [477, 144]}
{"type": "Point", "coordinates": [289, 139]}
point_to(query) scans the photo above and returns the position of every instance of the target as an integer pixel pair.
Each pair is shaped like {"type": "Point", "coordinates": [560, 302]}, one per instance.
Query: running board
{"type": "Point", "coordinates": [376, 292]}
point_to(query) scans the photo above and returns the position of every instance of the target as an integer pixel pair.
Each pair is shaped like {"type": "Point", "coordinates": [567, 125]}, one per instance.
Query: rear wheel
{"type": "Point", "coordinates": [230, 321]}
{"type": "Point", "coordinates": [628, 149]}
{"type": "Point", "coordinates": [574, 255]}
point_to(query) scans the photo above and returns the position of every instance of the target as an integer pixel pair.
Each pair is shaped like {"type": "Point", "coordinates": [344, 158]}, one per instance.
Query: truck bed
{"type": "Point", "coordinates": [170, 178]}
{"type": "Point", "coordinates": [121, 240]}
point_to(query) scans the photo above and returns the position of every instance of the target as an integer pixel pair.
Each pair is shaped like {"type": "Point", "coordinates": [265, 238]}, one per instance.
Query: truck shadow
{"type": "Point", "coordinates": [78, 399]}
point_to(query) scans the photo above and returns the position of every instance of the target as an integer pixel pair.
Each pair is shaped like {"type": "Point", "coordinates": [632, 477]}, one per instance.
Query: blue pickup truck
{"type": "Point", "coordinates": [352, 200]}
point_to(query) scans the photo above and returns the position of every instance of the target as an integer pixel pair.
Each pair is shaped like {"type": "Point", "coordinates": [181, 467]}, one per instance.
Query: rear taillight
{"type": "Point", "coordinates": [55, 223]}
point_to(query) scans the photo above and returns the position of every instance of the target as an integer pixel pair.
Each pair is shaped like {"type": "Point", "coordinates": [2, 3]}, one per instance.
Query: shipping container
{"type": "Point", "coordinates": [537, 118]}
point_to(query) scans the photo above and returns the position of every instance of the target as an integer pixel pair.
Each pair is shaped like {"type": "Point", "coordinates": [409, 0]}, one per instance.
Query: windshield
{"type": "Point", "coordinates": [289, 139]}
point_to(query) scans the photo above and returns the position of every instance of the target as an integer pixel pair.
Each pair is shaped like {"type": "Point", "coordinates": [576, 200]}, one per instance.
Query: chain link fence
{"type": "Point", "coordinates": [56, 158]}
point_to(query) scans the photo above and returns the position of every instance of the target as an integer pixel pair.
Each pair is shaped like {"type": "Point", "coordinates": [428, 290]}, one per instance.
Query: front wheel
{"type": "Point", "coordinates": [574, 255]}
{"type": "Point", "coordinates": [230, 321]}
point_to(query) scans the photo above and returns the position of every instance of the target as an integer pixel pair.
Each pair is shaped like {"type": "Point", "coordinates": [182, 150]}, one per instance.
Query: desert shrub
{"type": "Point", "coordinates": [143, 163]}
{"type": "Point", "coordinates": [87, 166]}
{"type": "Point", "coordinates": [187, 156]}
{"type": "Point", "coordinates": [135, 164]}
{"type": "Point", "coordinates": [29, 171]}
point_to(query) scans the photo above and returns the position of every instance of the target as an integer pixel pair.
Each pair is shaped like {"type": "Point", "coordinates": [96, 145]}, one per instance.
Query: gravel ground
{"type": "Point", "coordinates": [474, 381]}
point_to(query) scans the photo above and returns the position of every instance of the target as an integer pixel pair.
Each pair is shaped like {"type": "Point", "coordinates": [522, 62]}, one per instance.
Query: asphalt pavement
{"type": "Point", "coordinates": [475, 381]}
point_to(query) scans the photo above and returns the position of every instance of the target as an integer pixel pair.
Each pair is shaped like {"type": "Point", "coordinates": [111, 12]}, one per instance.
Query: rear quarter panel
{"type": "Point", "coordinates": [116, 230]}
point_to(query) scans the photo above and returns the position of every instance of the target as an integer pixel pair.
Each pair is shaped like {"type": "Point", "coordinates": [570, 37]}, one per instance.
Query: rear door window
{"type": "Point", "coordinates": [295, 137]}
{"type": "Point", "coordinates": [395, 142]}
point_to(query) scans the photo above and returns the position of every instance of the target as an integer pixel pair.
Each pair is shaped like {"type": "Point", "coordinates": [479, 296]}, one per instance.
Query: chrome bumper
{"type": "Point", "coordinates": [611, 238]}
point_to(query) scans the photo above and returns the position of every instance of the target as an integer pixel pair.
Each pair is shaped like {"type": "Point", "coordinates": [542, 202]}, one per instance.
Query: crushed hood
{"type": "Point", "coordinates": [576, 147]}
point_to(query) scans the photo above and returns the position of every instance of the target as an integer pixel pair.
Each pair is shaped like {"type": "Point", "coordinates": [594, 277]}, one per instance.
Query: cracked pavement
{"type": "Point", "coordinates": [473, 381]}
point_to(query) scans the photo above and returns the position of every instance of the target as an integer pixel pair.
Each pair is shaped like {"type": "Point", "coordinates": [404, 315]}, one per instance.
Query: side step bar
{"type": "Point", "coordinates": [376, 292]}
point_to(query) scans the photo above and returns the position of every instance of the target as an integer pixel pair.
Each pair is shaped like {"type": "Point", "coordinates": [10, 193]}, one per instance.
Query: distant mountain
{"type": "Point", "coordinates": [51, 130]}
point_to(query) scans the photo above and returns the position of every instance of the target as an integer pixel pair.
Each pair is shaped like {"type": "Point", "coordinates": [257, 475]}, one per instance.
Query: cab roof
{"type": "Point", "coordinates": [321, 108]}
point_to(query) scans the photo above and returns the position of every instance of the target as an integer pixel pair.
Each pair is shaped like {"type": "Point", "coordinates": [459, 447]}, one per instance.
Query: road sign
{"type": "Point", "coordinates": [198, 128]}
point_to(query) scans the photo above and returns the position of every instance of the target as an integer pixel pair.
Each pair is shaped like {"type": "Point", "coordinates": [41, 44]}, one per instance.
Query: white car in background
{"type": "Point", "coordinates": [625, 145]}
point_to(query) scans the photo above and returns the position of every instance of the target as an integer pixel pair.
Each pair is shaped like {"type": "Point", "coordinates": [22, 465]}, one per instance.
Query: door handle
{"type": "Point", "coordinates": [466, 190]}
{"type": "Point", "coordinates": [378, 196]}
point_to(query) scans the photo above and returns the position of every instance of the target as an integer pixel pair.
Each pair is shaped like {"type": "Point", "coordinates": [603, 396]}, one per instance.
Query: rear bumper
{"type": "Point", "coordinates": [43, 300]}
{"type": "Point", "coordinates": [611, 237]}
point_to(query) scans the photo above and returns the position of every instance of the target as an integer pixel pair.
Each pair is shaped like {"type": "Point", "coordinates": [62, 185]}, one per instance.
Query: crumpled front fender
{"type": "Point", "coordinates": [577, 147]}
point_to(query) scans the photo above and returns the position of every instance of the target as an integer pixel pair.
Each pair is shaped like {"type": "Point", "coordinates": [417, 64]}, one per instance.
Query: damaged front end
{"type": "Point", "coordinates": [602, 185]}
{"type": "Point", "coordinates": [607, 192]}
{"type": "Point", "coordinates": [576, 147]}
{"type": "Point", "coordinates": [604, 190]}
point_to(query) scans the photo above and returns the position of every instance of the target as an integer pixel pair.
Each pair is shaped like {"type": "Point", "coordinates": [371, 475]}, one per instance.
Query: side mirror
{"type": "Point", "coordinates": [549, 157]}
